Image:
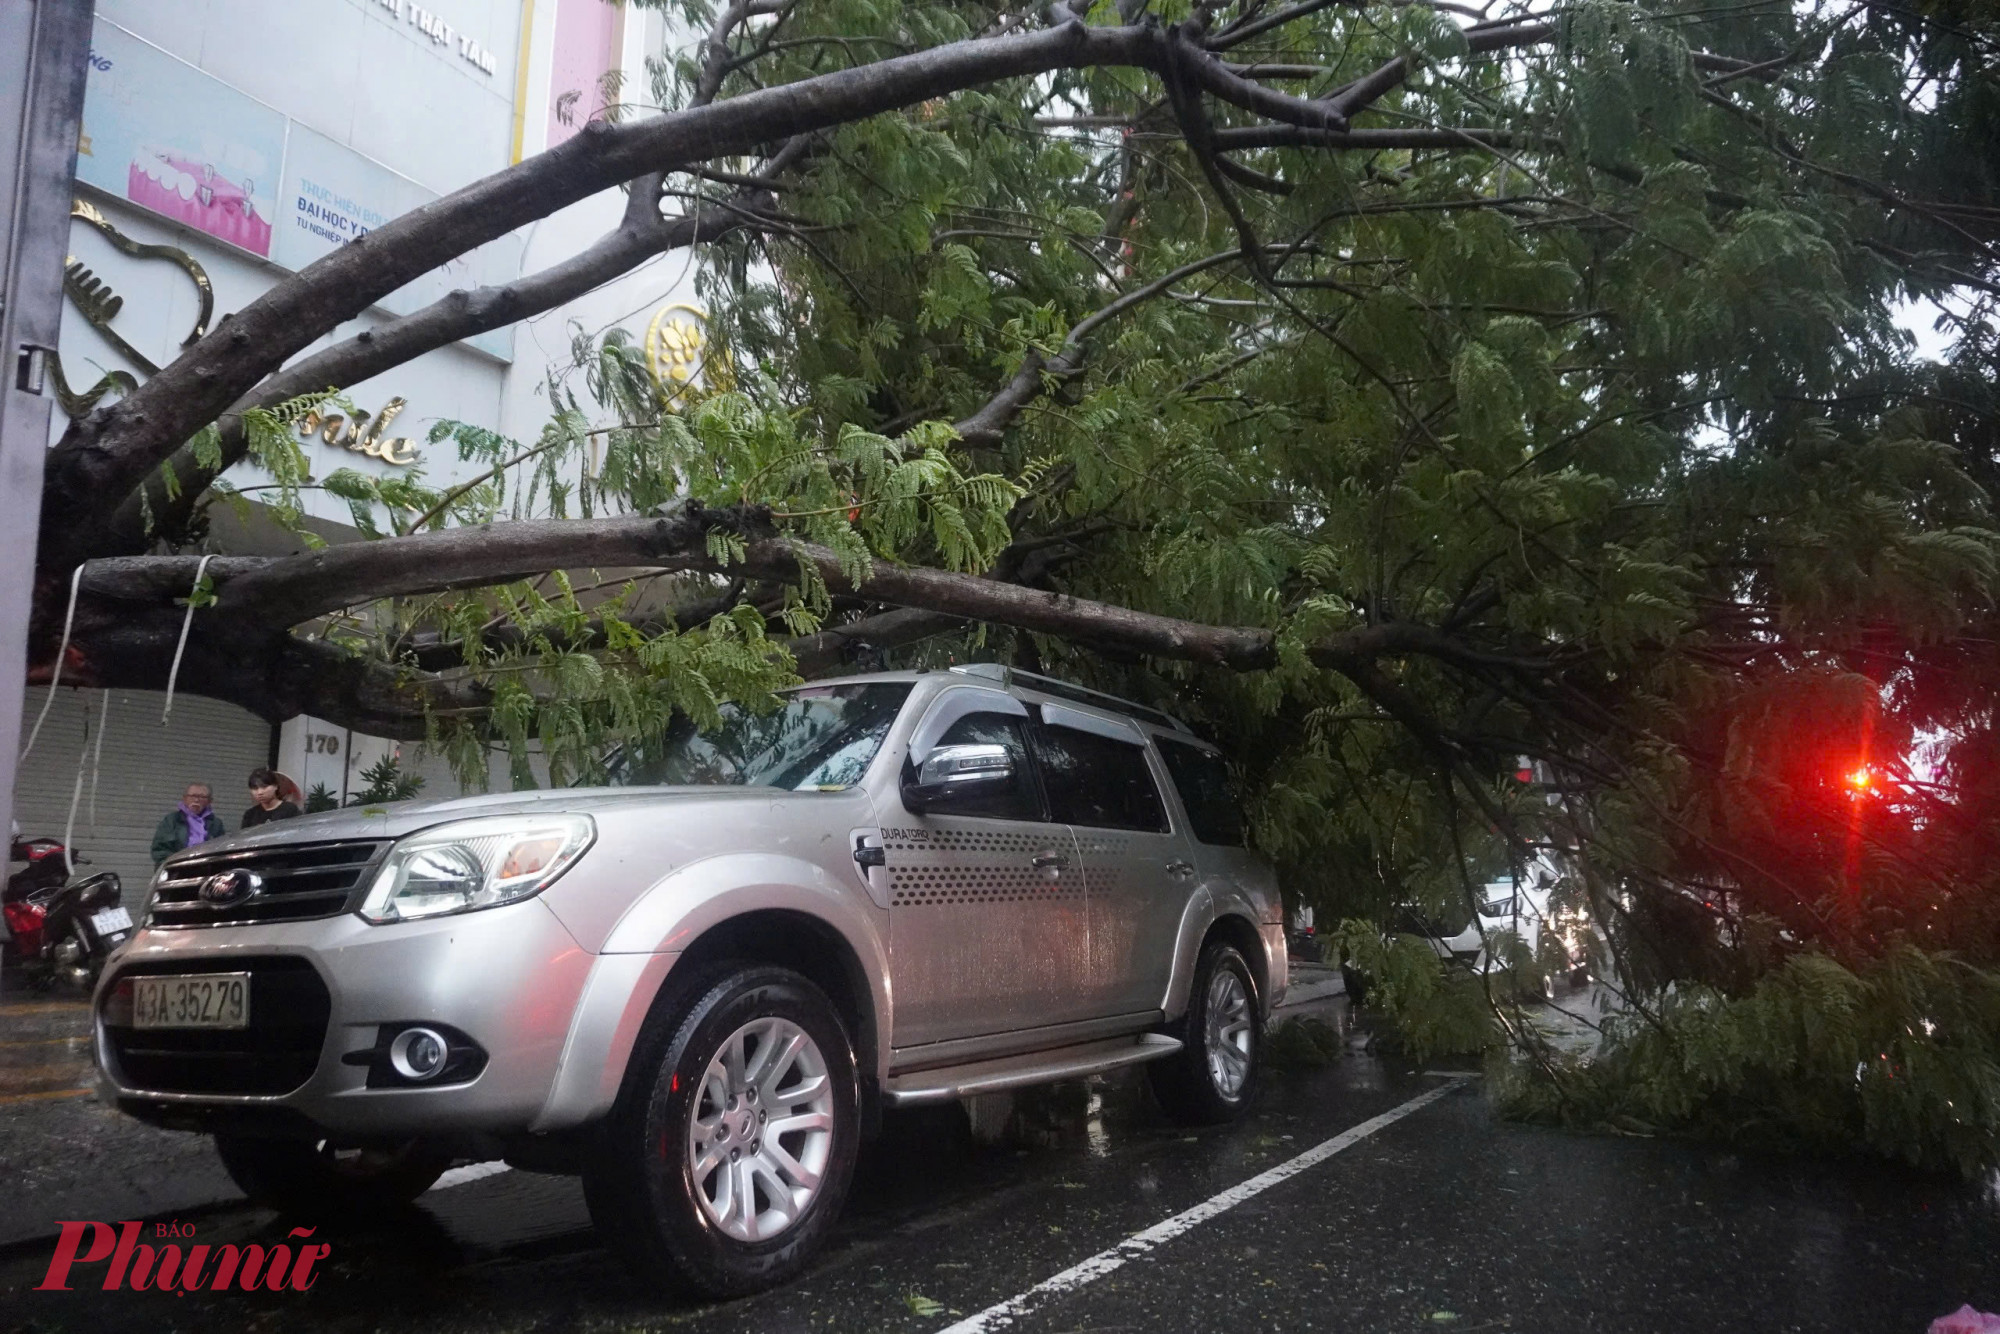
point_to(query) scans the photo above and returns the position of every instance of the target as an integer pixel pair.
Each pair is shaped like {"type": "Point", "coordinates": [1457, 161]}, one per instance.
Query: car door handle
{"type": "Point", "coordinates": [1178, 868]}
{"type": "Point", "coordinates": [1048, 860]}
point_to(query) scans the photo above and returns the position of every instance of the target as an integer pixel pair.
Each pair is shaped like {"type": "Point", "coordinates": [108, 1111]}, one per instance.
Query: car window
{"type": "Point", "coordinates": [1096, 781]}
{"type": "Point", "coordinates": [1020, 801]}
{"type": "Point", "coordinates": [1202, 779]}
{"type": "Point", "coordinates": [820, 737]}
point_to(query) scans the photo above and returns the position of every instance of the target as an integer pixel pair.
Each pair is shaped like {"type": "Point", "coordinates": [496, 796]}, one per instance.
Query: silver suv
{"type": "Point", "coordinates": [699, 987]}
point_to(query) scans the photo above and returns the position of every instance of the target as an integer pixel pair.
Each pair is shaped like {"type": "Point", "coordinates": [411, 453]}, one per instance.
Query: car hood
{"type": "Point", "coordinates": [395, 819]}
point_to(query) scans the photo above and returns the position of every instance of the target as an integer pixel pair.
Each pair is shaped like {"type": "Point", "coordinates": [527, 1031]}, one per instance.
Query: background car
{"type": "Point", "coordinates": [1479, 939]}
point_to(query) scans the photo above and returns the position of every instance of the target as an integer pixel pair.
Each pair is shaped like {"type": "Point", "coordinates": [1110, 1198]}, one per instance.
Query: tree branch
{"type": "Point", "coordinates": [1255, 180]}
{"type": "Point", "coordinates": [1240, 32]}
{"type": "Point", "coordinates": [1367, 140]}
{"type": "Point", "coordinates": [975, 598]}
{"type": "Point", "coordinates": [1373, 87]}
{"type": "Point", "coordinates": [102, 458]}
{"type": "Point", "coordinates": [990, 422]}
{"type": "Point", "coordinates": [290, 590]}
{"type": "Point", "coordinates": [1213, 75]}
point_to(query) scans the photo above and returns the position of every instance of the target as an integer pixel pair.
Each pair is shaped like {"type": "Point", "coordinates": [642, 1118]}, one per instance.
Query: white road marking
{"type": "Point", "coordinates": [462, 1176]}
{"type": "Point", "coordinates": [1139, 1243]}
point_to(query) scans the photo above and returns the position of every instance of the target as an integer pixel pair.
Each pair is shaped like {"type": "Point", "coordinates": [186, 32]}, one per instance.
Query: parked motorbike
{"type": "Point", "coordinates": [60, 930]}
{"type": "Point", "coordinates": [46, 866]}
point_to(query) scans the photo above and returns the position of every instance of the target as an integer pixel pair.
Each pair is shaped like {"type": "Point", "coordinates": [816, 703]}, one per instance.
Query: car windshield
{"type": "Point", "coordinates": [821, 738]}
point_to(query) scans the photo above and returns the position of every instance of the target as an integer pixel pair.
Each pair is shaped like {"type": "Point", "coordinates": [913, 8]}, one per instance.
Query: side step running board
{"type": "Point", "coordinates": [1038, 1067]}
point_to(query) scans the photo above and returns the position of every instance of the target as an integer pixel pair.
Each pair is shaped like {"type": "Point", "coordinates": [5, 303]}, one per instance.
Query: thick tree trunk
{"type": "Point", "coordinates": [242, 646]}
{"type": "Point", "coordinates": [970, 597]}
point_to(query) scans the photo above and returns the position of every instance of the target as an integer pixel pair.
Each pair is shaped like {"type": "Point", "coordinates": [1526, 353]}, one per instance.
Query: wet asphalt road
{"type": "Point", "coordinates": [1444, 1220]}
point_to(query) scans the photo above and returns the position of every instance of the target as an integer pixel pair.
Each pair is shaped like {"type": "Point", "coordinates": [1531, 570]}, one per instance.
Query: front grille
{"type": "Point", "coordinates": [289, 1011]}
{"type": "Point", "coordinates": [294, 882]}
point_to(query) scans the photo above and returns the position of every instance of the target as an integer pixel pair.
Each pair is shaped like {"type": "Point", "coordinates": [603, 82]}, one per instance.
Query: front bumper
{"type": "Point", "coordinates": [510, 978]}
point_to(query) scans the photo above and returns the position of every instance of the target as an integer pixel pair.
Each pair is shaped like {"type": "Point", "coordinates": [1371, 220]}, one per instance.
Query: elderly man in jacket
{"type": "Point", "coordinates": [191, 823]}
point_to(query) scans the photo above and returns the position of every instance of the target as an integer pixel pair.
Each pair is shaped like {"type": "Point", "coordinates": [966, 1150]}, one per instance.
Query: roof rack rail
{"type": "Point", "coordinates": [1049, 685]}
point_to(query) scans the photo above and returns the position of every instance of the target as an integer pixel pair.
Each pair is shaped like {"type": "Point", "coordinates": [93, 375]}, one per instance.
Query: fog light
{"type": "Point", "coordinates": [418, 1053]}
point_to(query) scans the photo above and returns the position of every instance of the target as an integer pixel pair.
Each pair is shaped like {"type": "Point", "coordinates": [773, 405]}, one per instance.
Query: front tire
{"type": "Point", "coordinates": [1210, 1080]}
{"type": "Point", "coordinates": [312, 1179]}
{"type": "Point", "coordinates": [729, 1155]}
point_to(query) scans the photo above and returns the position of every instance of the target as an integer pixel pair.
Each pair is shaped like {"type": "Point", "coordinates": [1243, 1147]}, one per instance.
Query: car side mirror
{"type": "Point", "coordinates": [950, 773]}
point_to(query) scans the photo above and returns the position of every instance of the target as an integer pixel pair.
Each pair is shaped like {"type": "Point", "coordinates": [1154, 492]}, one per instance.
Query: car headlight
{"type": "Point", "coordinates": [472, 864]}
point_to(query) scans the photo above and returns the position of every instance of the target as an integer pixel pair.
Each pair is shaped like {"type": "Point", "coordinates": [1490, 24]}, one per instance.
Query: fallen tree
{"type": "Point", "coordinates": [1409, 394]}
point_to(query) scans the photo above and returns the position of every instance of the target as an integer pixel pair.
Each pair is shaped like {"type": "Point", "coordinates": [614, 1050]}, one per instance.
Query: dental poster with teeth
{"type": "Point", "coordinates": [171, 139]}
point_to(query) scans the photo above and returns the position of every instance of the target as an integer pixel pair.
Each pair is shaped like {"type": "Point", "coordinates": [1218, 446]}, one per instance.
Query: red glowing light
{"type": "Point", "coordinates": [1861, 780]}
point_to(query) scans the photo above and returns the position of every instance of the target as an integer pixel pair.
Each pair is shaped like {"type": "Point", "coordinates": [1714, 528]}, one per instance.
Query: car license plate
{"type": "Point", "coordinates": [109, 920]}
{"type": "Point", "coordinates": [205, 1000]}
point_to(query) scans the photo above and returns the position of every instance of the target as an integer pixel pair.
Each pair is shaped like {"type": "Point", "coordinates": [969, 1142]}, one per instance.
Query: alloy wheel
{"type": "Point", "coordinates": [1228, 1035]}
{"type": "Point", "coordinates": [761, 1130]}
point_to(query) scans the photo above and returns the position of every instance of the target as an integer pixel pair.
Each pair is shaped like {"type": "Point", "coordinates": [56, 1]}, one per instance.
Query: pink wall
{"type": "Point", "coordinates": [586, 45]}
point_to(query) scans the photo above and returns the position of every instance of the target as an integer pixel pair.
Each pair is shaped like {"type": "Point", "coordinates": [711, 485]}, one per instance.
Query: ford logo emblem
{"type": "Point", "coordinates": [231, 887]}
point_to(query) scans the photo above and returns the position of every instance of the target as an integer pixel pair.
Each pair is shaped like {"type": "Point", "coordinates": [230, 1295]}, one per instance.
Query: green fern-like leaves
{"type": "Point", "coordinates": [1900, 1056]}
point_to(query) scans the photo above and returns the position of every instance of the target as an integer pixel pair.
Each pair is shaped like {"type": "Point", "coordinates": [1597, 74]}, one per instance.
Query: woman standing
{"type": "Point", "coordinates": [265, 805]}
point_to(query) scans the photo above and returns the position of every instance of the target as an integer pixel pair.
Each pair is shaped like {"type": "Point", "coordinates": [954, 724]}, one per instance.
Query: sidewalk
{"type": "Point", "coordinates": [1311, 982]}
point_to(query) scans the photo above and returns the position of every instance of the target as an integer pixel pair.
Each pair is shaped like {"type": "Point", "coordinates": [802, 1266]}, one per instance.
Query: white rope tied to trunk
{"type": "Point", "coordinates": [55, 677]}
{"type": "Point", "coordinates": [187, 623]}
{"type": "Point", "coordinates": [97, 753]}
{"type": "Point", "coordinates": [76, 795]}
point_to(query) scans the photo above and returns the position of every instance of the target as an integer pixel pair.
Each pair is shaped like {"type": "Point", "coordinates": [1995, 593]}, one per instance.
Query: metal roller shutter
{"type": "Point", "coordinates": [143, 770]}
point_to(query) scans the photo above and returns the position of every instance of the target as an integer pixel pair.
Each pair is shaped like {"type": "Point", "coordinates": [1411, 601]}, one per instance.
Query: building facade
{"type": "Point", "coordinates": [229, 143]}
